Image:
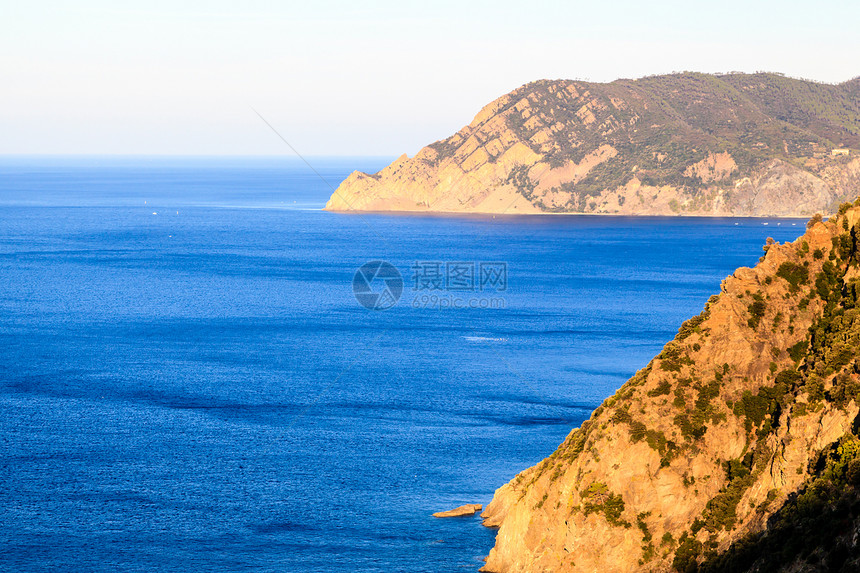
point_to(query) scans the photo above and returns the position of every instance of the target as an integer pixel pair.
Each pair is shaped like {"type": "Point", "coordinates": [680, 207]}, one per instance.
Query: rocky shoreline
{"type": "Point", "coordinates": [667, 145]}
{"type": "Point", "coordinates": [737, 448]}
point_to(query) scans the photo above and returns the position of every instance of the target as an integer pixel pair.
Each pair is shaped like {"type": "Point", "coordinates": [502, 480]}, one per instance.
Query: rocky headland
{"type": "Point", "coordinates": [681, 144]}
{"type": "Point", "coordinates": [737, 448]}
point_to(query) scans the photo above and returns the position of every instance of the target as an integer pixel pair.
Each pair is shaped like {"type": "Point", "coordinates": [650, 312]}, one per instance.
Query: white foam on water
{"type": "Point", "coordinates": [484, 339]}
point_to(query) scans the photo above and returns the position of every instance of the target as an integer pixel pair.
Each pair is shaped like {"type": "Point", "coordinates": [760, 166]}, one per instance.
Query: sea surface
{"type": "Point", "coordinates": [187, 381]}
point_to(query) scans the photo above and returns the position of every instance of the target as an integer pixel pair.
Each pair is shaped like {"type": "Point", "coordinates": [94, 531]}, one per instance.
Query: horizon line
{"type": "Point", "coordinates": [9, 157]}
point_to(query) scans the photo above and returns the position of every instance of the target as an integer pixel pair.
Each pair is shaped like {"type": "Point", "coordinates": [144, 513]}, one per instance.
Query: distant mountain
{"type": "Point", "coordinates": [736, 449]}
{"type": "Point", "coordinates": [685, 144]}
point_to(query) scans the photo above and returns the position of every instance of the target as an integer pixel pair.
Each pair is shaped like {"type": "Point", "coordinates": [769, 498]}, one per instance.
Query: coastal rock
{"type": "Point", "coordinates": [463, 510]}
{"type": "Point", "coordinates": [682, 144]}
{"type": "Point", "coordinates": [737, 448]}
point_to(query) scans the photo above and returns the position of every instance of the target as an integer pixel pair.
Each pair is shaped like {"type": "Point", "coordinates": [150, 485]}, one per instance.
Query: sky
{"type": "Point", "coordinates": [359, 78]}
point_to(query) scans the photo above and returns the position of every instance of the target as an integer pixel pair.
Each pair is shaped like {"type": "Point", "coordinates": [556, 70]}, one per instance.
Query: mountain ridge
{"type": "Point", "coordinates": [683, 144]}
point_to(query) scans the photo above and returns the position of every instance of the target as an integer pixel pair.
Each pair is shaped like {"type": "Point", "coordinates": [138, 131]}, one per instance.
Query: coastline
{"type": "Point", "coordinates": [443, 213]}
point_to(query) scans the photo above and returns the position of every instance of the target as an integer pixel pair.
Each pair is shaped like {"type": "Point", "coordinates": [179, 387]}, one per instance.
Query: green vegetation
{"type": "Point", "coordinates": [597, 498]}
{"type": "Point", "coordinates": [687, 554]}
{"type": "Point", "coordinates": [771, 496]}
{"type": "Point", "coordinates": [798, 351]}
{"type": "Point", "coordinates": [814, 389]}
{"type": "Point", "coordinates": [761, 410]}
{"type": "Point", "coordinates": [673, 358]}
{"type": "Point", "coordinates": [835, 338]}
{"type": "Point", "coordinates": [655, 439]}
{"type": "Point", "coordinates": [807, 521]}
{"type": "Point", "coordinates": [680, 400]}
{"type": "Point", "coordinates": [640, 523]}
{"type": "Point", "coordinates": [661, 390]}
{"type": "Point", "coordinates": [823, 372]}
{"type": "Point", "coordinates": [813, 527]}
{"type": "Point", "coordinates": [648, 549]}
{"type": "Point", "coordinates": [828, 282]}
{"type": "Point", "coordinates": [575, 442]}
{"type": "Point", "coordinates": [817, 218]}
{"type": "Point", "coordinates": [519, 176]}
{"type": "Point", "coordinates": [756, 308]}
{"type": "Point", "coordinates": [694, 424]}
{"type": "Point", "coordinates": [692, 325]}
{"type": "Point", "coordinates": [777, 320]}
{"type": "Point", "coordinates": [667, 540]}
{"type": "Point", "coordinates": [661, 125]}
{"type": "Point", "coordinates": [721, 510]}
{"type": "Point", "coordinates": [796, 275]}
{"type": "Point", "coordinates": [845, 389]}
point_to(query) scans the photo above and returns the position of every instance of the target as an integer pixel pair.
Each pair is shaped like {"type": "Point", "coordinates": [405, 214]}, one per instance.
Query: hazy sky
{"type": "Point", "coordinates": [359, 78]}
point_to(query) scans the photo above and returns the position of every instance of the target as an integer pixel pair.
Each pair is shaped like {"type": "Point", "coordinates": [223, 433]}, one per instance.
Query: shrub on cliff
{"type": "Point", "coordinates": [817, 218]}
{"type": "Point", "coordinates": [661, 390]}
{"type": "Point", "coordinates": [756, 308]}
{"type": "Point", "coordinates": [814, 527]}
{"type": "Point", "coordinates": [794, 274]}
{"type": "Point", "coordinates": [598, 499]}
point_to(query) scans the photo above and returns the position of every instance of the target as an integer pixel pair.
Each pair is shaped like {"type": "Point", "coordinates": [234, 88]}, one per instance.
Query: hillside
{"type": "Point", "coordinates": [737, 448]}
{"type": "Point", "coordinates": [693, 144]}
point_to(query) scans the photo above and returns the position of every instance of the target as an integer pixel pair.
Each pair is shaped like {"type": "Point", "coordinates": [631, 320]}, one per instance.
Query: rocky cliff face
{"type": "Point", "coordinates": [685, 144]}
{"type": "Point", "coordinates": [735, 449]}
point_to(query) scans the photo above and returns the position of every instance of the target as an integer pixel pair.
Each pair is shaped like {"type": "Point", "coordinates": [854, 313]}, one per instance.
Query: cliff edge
{"type": "Point", "coordinates": [737, 448]}
{"type": "Point", "coordinates": [682, 144]}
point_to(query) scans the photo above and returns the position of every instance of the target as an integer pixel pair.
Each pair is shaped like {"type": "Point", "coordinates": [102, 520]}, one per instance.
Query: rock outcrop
{"type": "Point", "coordinates": [737, 448]}
{"type": "Point", "coordinates": [684, 144]}
{"type": "Point", "coordinates": [462, 511]}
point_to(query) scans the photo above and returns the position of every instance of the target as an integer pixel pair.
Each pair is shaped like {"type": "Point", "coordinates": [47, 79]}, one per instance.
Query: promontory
{"type": "Point", "coordinates": [736, 449]}
{"type": "Point", "coordinates": [682, 144]}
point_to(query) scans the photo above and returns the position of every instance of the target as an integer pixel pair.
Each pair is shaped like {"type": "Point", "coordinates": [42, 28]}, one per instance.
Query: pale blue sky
{"type": "Point", "coordinates": [348, 78]}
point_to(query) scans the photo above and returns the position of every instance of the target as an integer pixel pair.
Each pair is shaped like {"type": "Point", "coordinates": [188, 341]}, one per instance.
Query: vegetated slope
{"type": "Point", "coordinates": [698, 144]}
{"type": "Point", "coordinates": [737, 448]}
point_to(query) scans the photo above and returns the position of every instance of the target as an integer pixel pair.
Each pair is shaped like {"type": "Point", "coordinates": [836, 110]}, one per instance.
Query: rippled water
{"type": "Point", "coordinates": [187, 381]}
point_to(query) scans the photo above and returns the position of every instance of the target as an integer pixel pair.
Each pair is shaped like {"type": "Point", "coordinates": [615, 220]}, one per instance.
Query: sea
{"type": "Point", "coordinates": [202, 370]}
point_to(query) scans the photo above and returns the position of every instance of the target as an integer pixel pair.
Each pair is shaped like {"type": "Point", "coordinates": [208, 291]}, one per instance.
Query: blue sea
{"type": "Point", "coordinates": [188, 382]}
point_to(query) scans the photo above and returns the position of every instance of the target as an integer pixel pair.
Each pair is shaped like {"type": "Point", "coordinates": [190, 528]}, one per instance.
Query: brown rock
{"type": "Point", "coordinates": [463, 510]}
{"type": "Point", "coordinates": [642, 472]}
{"type": "Point", "coordinates": [576, 147]}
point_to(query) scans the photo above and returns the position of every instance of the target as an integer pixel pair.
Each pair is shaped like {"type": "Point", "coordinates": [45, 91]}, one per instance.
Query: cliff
{"type": "Point", "coordinates": [735, 449]}
{"type": "Point", "coordinates": [683, 144]}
